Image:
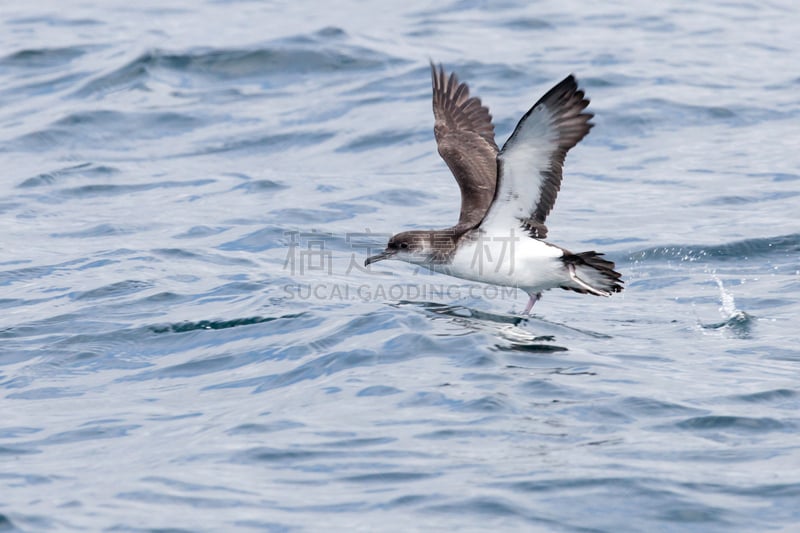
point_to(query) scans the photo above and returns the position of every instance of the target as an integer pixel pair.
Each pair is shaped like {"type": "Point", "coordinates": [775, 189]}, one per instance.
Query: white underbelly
{"type": "Point", "coordinates": [527, 263]}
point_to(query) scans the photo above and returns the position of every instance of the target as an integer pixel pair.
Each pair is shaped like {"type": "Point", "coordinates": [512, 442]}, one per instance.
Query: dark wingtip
{"type": "Point", "coordinates": [567, 95]}
{"type": "Point", "coordinates": [438, 78]}
{"type": "Point", "coordinates": [568, 85]}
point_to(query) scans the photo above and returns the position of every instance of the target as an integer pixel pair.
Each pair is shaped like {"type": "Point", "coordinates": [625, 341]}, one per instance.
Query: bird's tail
{"type": "Point", "coordinates": [590, 273]}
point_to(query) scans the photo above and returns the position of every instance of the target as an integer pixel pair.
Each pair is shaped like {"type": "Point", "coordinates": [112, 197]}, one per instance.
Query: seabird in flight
{"type": "Point", "coordinates": [506, 195]}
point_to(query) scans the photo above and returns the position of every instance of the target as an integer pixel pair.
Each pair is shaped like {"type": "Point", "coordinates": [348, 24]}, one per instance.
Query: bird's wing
{"type": "Point", "coordinates": [465, 138]}
{"type": "Point", "coordinates": [529, 165]}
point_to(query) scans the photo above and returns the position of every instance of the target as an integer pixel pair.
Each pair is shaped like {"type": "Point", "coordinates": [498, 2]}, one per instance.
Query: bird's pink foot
{"type": "Point", "coordinates": [534, 297]}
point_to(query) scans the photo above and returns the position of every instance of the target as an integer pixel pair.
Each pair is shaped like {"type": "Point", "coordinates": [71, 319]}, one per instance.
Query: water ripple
{"type": "Point", "coordinates": [166, 366]}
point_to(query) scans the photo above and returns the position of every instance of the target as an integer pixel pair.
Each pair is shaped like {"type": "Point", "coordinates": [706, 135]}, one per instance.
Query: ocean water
{"type": "Point", "coordinates": [188, 340]}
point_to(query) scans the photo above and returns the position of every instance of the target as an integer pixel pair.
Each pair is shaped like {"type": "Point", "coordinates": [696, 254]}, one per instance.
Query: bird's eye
{"type": "Point", "coordinates": [404, 245]}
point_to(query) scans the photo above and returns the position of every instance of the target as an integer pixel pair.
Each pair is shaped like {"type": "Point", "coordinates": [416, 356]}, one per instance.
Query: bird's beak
{"type": "Point", "coordinates": [386, 254]}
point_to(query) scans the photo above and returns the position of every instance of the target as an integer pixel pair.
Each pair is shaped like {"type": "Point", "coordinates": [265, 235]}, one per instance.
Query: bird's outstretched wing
{"type": "Point", "coordinates": [530, 163]}
{"type": "Point", "coordinates": [465, 138]}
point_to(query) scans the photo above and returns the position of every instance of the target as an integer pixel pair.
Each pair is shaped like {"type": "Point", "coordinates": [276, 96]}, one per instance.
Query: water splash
{"type": "Point", "coordinates": [735, 321]}
{"type": "Point", "coordinates": [727, 303]}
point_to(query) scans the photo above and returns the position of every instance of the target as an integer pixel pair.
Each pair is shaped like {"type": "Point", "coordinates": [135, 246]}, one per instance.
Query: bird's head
{"type": "Point", "coordinates": [410, 246]}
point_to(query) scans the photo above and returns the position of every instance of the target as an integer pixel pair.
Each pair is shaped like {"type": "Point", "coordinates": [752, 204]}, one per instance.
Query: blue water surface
{"type": "Point", "coordinates": [189, 340]}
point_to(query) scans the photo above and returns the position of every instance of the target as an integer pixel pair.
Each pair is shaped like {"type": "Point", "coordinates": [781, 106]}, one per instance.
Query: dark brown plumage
{"type": "Point", "coordinates": [465, 138]}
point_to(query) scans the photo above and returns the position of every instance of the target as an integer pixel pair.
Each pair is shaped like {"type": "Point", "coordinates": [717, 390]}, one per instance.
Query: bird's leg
{"type": "Point", "coordinates": [534, 297]}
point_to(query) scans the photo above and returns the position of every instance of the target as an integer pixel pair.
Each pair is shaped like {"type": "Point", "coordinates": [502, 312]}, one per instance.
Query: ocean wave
{"type": "Point", "coordinates": [783, 245]}
{"type": "Point", "coordinates": [40, 58]}
{"type": "Point", "coordinates": [111, 130]}
{"type": "Point", "coordinates": [274, 64]}
{"type": "Point", "coordinates": [89, 170]}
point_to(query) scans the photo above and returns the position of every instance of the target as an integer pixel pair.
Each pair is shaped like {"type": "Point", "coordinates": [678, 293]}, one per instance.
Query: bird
{"type": "Point", "coordinates": [506, 195]}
